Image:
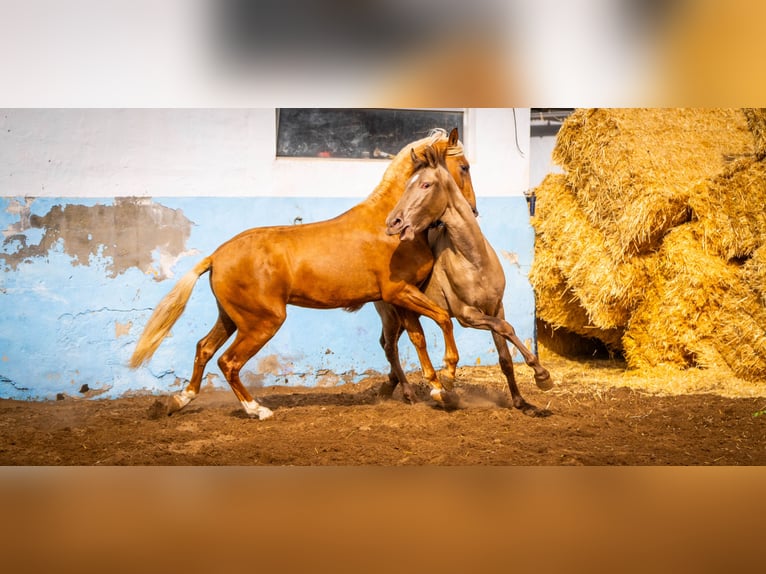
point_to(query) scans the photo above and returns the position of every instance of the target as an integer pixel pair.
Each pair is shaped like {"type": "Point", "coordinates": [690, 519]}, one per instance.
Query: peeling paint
{"type": "Point", "coordinates": [167, 261]}
{"type": "Point", "coordinates": [122, 329]}
{"type": "Point", "coordinates": [125, 235]}
{"type": "Point", "coordinates": [22, 211]}
{"type": "Point", "coordinates": [511, 257]}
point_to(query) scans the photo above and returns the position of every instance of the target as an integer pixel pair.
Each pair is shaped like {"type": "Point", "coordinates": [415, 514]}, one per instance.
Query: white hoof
{"type": "Point", "coordinates": [184, 398]}
{"type": "Point", "coordinates": [436, 394]}
{"type": "Point", "coordinates": [257, 411]}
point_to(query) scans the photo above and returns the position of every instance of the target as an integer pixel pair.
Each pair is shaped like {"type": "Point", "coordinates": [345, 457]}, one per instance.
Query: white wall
{"type": "Point", "coordinates": [541, 164]}
{"type": "Point", "coordinates": [498, 149]}
{"type": "Point", "coordinates": [216, 152]}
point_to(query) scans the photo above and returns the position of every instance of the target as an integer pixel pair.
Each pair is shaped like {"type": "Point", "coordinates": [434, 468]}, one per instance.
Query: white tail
{"type": "Point", "coordinates": [166, 314]}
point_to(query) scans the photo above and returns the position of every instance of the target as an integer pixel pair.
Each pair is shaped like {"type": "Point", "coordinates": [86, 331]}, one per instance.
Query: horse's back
{"type": "Point", "coordinates": [329, 264]}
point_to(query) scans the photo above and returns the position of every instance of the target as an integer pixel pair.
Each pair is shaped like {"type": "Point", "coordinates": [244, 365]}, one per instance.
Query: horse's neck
{"type": "Point", "coordinates": [386, 194]}
{"type": "Point", "coordinates": [464, 232]}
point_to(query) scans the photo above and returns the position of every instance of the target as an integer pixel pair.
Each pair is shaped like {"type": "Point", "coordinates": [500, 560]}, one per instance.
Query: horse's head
{"type": "Point", "coordinates": [401, 168]}
{"type": "Point", "coordinates": [425, 197]}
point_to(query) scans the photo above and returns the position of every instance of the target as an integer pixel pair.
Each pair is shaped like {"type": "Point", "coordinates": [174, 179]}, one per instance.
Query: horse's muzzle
{"type": "Point", "coordinates": [397, 226]}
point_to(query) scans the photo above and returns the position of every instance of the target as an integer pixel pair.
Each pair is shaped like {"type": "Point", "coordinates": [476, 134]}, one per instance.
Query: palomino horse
{"type": "Point", "coordinates": [467, 279]}
{"type": "Point", "coordinates": [256, 274]}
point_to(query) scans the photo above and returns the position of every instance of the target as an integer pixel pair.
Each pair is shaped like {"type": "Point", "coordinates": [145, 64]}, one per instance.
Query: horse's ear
{"type": "Point", "coordinates": [432, 156]}
{"type": "Point", "coordinates": [453, 140]}
{"type": "Point", "coordinates": [436, 156]}
{"type": "Point", "coordinates": [417, 162]}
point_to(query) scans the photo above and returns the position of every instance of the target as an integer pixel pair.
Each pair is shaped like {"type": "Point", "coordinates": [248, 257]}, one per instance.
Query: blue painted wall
{"type": "Point", "coordinates": [68, 322]}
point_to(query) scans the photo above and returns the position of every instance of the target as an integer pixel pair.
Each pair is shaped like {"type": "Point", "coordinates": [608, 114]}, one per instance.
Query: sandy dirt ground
{"type": "Point", "coordinates": [599, 417]}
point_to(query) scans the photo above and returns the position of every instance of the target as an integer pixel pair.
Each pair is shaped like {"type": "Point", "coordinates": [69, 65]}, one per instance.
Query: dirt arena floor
{"type": "Point", "coordinates": [601, 415]}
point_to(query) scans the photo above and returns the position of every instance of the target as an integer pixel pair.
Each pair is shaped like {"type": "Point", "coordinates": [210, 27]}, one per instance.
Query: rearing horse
{"type": "Point", "coordinates": [256, 274]}
{"type": "Point", "coordinates": [467, 279]}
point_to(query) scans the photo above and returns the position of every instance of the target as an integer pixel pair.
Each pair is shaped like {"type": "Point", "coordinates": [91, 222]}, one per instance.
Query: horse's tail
{"type": "Point", "coordinates": [166, 314]}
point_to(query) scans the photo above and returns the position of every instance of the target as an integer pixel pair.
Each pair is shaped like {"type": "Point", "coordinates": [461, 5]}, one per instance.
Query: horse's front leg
{"type": "Point", "coordinates": [412, 299]}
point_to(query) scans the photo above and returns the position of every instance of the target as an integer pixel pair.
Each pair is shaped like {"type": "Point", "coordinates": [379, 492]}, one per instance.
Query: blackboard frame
{"type": "Point", "coordinates": [357, 133]}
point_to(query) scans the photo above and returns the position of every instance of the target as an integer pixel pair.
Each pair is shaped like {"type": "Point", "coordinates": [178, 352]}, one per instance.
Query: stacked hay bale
{"type": "Point", "coordinates": [578, 285]}
{"type": "Point", "coordinates": [653, 240]}
{"type": "Point", "coordinates": [756, 121]}
{"type": "Point", "coordinates": [675, 320]}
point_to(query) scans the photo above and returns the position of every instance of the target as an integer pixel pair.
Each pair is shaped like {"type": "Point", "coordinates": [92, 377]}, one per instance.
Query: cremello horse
{"type": "Point", "coordinates": [467, 279]}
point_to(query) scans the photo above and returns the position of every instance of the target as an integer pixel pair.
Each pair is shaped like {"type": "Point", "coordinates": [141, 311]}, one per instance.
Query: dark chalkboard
{"type": "Point", "coordinates": [357, 132]}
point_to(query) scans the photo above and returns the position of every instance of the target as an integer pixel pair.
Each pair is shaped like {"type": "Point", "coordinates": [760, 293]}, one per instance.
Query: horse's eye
{"type": "Point", "coordinates": [425, 184]}
{"type": "Point", "coordinates": [465, 168]}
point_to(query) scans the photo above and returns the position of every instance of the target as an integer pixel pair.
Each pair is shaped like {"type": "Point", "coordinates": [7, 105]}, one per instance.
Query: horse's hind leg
{"type": "Point", "coordinates": [506, 365]}
{"type": "Point", "coordinates": [206, 348]}
{"type": "Point", "coordinates": [253, 334]}
{"type": "Point", "coordinates": [472, 317]}
{"type": "Point", "coordinates": [390, 326]}
{"type": "Point", "coordinates": [542, 376]}
{"type": "Point", "coordinates": [389, 339]}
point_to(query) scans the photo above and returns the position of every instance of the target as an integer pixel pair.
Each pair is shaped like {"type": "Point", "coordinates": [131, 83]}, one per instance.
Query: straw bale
{"type": "Point", "coordinates": [730, 208]}
{"type": "Point", "coordinates": [557, 306]}
{"type": "Point", "coordinates": [555, 302]}
{"type": "Point", "coordinates": [675, 323]}
{"type": "Point", "coordinates": [756, 121]}
{"type": "Point", "coordinates": [653, 241]}
{"type": "Point", "coordinates": [739, 333]}
{"type": "Point", "coordinates": [632, 169]}
{"type": "Point", "coordinates": [754, 273]}
{"type": "Point", "coordinates": [608, 289]}
{"type": "Point", "coordinates": [701, 310]}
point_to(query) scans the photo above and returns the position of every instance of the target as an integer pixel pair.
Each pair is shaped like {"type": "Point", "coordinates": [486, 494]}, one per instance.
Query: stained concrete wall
{"type": "Point", "coordinates": [102, 210]}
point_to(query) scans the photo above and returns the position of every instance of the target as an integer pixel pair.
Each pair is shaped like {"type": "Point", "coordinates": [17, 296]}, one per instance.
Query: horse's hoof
{"type": "Point", "coordinates": [256, 411]}
{"type": "Point", "coordinates": [533, 411]}
{"type": "Point", "coordinates": [544, 382]}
